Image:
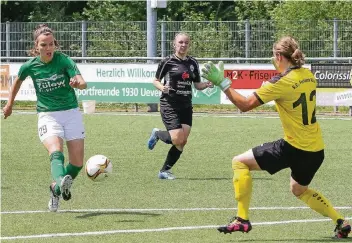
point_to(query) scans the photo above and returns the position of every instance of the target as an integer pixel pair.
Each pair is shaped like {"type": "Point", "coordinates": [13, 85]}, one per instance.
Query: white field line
{"type": "Point", "coordinates": [230, 115]}
{"type": "Point", "coordinates": [156, 209]}
{"type": "Point", "coordinates": [90, 233]}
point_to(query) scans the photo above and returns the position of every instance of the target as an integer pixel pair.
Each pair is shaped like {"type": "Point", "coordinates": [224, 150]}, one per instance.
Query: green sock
{"type": "Point", "coordinates": [73, 170]}
{"type": "Point", "coordinates": [57, 169]}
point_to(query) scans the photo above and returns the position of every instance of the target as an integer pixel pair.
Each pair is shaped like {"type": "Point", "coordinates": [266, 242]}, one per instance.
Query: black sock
{"type": "Point", "coordinates": [171, 159]}
{"type": "Point", "coordinates": [164, 136]}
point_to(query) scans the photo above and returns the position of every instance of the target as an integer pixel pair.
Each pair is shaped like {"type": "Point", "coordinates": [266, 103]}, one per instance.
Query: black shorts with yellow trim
{"type": "Point", "coordinates": [278, 155]}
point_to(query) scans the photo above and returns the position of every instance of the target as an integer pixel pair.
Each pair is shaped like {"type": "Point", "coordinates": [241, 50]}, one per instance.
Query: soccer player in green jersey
{"type": "Point", "coordinates": [55, 76]}
{"type": "Point", "coordinates": [301, 149]}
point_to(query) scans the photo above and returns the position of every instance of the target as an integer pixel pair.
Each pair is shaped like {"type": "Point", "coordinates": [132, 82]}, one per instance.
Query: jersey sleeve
{"type": "Point", "coordinates": [271, 90]}
{"type": "Point", "coordinates": [71, 67]}
{"type": "Point", "coordinates": [23, 73]}
{"type": "Point", "coordinates": [196, 72]}
{"type": "Point", "coordinates": [162, 70]}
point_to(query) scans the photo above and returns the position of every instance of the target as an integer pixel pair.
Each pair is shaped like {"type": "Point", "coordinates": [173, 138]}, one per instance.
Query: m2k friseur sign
{"type": "Point", "coordinates": [249, 79]}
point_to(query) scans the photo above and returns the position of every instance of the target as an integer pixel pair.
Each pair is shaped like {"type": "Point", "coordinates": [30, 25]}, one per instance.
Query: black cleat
{"type": "Point", "coordinates": [343, 228]}
{"type": "Point", "coordinates": [236, 224]}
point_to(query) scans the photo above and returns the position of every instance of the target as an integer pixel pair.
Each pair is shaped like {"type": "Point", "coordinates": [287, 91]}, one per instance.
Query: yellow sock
{"type": "Point", "coordinates": [242, 182]}
{"type": "Point", "coordinates": [320, 204]}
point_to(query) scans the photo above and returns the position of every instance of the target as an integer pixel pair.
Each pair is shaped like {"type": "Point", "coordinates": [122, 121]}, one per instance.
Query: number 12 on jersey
{"type": "Point", "coordinates": [302, 100]}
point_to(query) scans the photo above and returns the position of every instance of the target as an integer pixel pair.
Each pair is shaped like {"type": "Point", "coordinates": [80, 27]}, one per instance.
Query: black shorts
{"type": "Point", "coordinates": [278, 155]}
{"type": "Point", "coordinates": [173, 117]}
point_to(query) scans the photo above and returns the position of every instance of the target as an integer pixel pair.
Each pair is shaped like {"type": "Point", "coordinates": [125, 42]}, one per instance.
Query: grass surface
{"type": "Point", "coordinates": [165, 211]}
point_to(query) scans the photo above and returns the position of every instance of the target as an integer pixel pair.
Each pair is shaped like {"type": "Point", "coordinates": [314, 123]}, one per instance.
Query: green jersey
{"type": "Point", "coordinates": [51, 82]}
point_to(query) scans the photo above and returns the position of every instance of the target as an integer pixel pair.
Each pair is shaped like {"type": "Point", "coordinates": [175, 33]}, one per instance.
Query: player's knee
{"type": "Point", "coordinates": [240, 172]}
{"type": "Point", "coordinates": [237, 165]}
{"type": "Point", "coordinates": [177, 141]}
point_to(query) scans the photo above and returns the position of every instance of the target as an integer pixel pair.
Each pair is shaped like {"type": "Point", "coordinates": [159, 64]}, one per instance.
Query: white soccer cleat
{"type": "Point", "coordinates": [53, 204]}
{"type": "Point", "coordinates": [65, 187]}
{"type": "Point", "coordinates": [166, 175]}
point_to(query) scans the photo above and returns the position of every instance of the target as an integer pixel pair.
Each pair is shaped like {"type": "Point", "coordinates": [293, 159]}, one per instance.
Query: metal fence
{"type": "Point", "coordinates": [244, 39]}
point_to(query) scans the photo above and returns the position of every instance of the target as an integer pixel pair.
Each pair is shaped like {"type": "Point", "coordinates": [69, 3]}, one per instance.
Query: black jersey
{"type": "Point", "coordinates": [178, 74]}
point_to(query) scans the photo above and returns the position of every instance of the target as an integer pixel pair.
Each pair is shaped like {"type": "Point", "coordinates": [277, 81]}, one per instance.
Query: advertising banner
{"type": "Point", "coordinates": [138, 93]}
{"type": "Point", "coordinates": [249, 79]}
{"type": "Point", "coordinates": [126, 83]}
{"type": "Point", "coordinates": [332, 75]}
{"type": "Point", "coordinates": [4, 85]}
{"type": "Point", "coordinates": [132, 83]}
{"type": "Point", "coordinates": [344, 98]}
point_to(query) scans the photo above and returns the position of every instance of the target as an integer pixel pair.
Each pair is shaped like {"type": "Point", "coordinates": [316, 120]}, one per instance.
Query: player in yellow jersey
{"type": "Point", "coordinates": [301, 149]}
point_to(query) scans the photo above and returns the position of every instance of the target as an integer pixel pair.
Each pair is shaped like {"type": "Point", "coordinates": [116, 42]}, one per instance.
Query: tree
{"type": "Point", "coordinates": [15, 11]}
{"type": "Point", "coordinates": [311, 22]}
{"type": "Point", "coordinates": [115, 11]}
{"type": "Point", "coordinates": [40, 11]}
{"type": "Point", "coordinates": [254, 10]}
{"type": "Point", "coordinates": [117, 28]}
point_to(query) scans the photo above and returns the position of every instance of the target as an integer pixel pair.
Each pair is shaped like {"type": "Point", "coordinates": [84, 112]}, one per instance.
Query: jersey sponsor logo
{"type": "Point", "coordinates": [185, 75]}
{"type": "Point", "coordinates": [189, 83]}
{"type": "Point", "coordinates": [184, 92]}
{"type": "Point", "coordinates": [51, 83]}
{"type": "Point", "coordinates": [174, 69]}
{"type": "Point", "coordinates": [52, 78]}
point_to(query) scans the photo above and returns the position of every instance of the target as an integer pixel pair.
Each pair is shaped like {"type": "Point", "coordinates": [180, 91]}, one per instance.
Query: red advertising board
{"type": "Point", "coordinates": [249, 79]}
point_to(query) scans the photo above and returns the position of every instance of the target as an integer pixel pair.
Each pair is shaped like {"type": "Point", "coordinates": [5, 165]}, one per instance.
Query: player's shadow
{"type": "Point", "coordinates": [96, 214]}
{"type": "Point", "coordinates": [203, 179]}
{"type": "Point", "coordinates": [218, 178]}
{"type": "Point", "coordinates": [325, 239]}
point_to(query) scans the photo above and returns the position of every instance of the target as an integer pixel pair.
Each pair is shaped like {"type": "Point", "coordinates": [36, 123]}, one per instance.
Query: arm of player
{"type": "Point", "coordinates": [243, 103]}
{"type": "Point", "coordinates": [14, 90]}
{"type": "Point", "coordinates": [216, 76]}
{"type": "Point", "coordinates": [163, 88]}
{"type": "Point", "coordinates": [78, 82]}
{"type": "Point", "coordinates": [157, 84]}
{"type": "Point", "coordinates": [203, 85]}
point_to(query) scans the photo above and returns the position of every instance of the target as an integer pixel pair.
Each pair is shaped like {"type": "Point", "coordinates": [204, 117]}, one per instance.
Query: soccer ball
{"type": "Point", "coordinates": [98, 167]}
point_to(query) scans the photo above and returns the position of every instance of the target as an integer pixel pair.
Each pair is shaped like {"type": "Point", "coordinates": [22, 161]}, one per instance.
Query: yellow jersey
{"type": "Point", "coordinates": [294, 93]}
